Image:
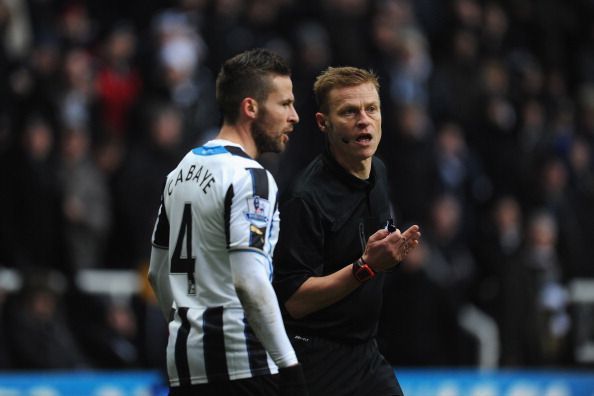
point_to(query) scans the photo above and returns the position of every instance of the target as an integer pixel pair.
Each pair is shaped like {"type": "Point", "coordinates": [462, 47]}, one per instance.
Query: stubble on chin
{"type": "Point", "coordinates": [264, 142]}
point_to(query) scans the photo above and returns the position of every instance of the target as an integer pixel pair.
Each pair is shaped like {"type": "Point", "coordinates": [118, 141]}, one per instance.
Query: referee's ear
{"type": "Point", "coordinates": [321, 121]}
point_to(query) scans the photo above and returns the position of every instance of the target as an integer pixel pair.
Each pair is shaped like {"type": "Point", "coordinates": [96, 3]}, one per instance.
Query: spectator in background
{"type": "Point", "coordinates": [452, 264]}
{"type": "Point", "coordinates": [16, 29]}
{"type": "Point", "coordinates": [499, 240]}
{"type": "Point", "coordinates": [181, 77]}
{"type": "Point", "coordinates": [581, 179]}
{"type": "Point", "coordinates": [224, 31]}
{"type": "Point", "coordinates": [107, 328]}
{"type": "Point", "coordinates": [39, 334]}
{"type": "Point", "coordinates": [535, 322]}
{"type": "Point", "coordinates": [86, 203]}
{"type": "Point", "coordinates": [75, 26]}
{"type": "Point", "coordinates": [110, 155]}
{"type": "Point", "coordinates": [119, 83]}
{"type": "Point", "coordinates": [494, 40]}
{"type": "Point", "coordinates": [35, 85]}
{"type": "Point", "coordinates": [451, 268]}
{"type": "Point", "coordinates": [404, 61]}
{"type": "Point", "coordinates": [585, 119]}
{"type": "Point", "coordinates": [459, 168]}
{"type": "Point", "coordinates": [454, 84]}
{"type": "Point", "coordinates": [78, 100]}
{"type": "Point", "coordinates": [495, 135]}
{"type": "Point", "coordinates": [346, 21]}
{"type": "Point", "coordinates": [35, 202]}
{"type": "Point", "coordinates": [123, 334]}
{"type": "Point", "coordinates": [410, 162]}
{"type": "Point", "coordinates": [534, 140]}
{"type": "Point", "coordinates": [553, 192]}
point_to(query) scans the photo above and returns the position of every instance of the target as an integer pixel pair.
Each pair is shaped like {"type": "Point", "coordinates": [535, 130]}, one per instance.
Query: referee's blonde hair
{"type": "Point", "coordinates": [340, 77]}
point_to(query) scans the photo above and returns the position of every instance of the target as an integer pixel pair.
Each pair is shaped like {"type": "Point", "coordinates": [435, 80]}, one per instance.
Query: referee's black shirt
{"type": "Point", "coordinates": [326, 219]}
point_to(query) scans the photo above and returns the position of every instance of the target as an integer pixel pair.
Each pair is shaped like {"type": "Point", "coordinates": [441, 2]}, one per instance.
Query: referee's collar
{"type": "Point", "coordinates": [344, 176]}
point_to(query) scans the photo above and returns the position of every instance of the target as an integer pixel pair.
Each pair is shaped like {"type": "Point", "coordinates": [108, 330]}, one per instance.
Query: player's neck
{"type": "Point", "coordinates": [239, 134]}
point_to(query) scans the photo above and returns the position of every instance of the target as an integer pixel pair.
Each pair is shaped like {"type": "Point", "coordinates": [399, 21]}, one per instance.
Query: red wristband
{"type": "Point", "coordinates": [362, 271]}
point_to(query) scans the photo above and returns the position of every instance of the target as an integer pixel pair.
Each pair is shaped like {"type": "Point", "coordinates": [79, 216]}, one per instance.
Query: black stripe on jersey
{"type": "Point", "coordinates": [181, 348]}
{"type": "Point", "coordinates": [161, 232]}
{"type": "Point", "coordinates": [256, 352]}
{"type": "Point", "coordinates": [259, 182]}
{"type": "Point", "coordinates": [237, 151]}
{"type": "Point", "coordinates": [215, 360]}
{"type": "Point", "coordinates": [260, 188]}
{"type": "Point", "coordinates": [227, 215]}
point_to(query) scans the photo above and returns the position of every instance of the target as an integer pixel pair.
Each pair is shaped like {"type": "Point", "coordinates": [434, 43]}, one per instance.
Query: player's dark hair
{"type": "Point", "coordinates": [247, 74]}
{"type": "Point", "coordinates": [340, 77]}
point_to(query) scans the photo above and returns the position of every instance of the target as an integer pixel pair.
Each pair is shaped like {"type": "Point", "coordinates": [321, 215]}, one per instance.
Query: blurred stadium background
{"type": "Point", "coordinates": [488, 136]}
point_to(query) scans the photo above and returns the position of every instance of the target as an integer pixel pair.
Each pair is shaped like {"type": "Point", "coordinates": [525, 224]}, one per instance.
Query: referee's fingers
{"type": "Point", "coordinates": [412, 232]}
{"type": "Point", "coordinates": [379, 235]}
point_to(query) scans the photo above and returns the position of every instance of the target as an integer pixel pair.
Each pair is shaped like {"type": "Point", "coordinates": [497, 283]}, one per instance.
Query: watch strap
{"type": "Point", "coordinates": [362, 271]}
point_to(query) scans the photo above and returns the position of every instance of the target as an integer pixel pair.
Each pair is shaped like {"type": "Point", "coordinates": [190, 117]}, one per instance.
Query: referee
{"type": "Point", "coordinates": [333, 249]}
{"type": "Point", "coordinates": [215, 233]}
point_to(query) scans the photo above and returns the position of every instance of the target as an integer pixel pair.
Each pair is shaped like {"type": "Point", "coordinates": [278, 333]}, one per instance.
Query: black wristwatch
{"type": "Point", "coordinates": [362, 271]}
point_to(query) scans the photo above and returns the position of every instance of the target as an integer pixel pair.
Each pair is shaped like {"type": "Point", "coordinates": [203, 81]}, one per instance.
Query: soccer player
{"type": "Point", "coordinates": [213, 241]}
{"type": "Point", "coordinates": [333, 247]}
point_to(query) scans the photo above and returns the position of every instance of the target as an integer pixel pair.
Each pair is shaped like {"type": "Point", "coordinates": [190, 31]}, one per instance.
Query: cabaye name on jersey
{"type": "Point", "coordinates": [257, 208]}
{"type": "Point", "coordinates": [202, 176]}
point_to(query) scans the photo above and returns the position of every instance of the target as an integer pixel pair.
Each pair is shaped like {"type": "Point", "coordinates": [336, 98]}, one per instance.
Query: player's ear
{"type": "Point", "coordinates": [321, 121]}
{"type": "Point", "coordinates": [249, 107]}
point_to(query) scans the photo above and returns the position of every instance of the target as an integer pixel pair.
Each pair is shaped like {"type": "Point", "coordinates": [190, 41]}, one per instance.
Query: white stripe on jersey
{"type": "Point", "coordinates": [216, 200]}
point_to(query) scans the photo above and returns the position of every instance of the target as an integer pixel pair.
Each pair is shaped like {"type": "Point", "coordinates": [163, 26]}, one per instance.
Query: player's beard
{"type": "Point", "coordinates": [265, 143]}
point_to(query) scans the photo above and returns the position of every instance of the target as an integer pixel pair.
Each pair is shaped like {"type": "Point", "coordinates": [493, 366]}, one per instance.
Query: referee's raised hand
{"type": "Point", "coordinates": [384, 250]}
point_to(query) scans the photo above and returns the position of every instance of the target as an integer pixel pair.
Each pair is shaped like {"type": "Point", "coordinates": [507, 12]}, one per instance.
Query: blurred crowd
{"type": "Point", "coordinates": [488, 137]}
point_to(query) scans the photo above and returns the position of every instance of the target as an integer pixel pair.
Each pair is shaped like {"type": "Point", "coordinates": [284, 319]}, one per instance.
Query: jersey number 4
{"type": "Point", "coordinates": [184, 263]}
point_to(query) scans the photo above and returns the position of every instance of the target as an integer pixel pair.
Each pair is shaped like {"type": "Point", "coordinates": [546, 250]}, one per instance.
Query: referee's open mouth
{"type": "Point", "coordinates": [364, 138]}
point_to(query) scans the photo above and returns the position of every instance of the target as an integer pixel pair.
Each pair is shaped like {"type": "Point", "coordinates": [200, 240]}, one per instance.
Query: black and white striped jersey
{"type": "Point", "coordinates": [216, 201]}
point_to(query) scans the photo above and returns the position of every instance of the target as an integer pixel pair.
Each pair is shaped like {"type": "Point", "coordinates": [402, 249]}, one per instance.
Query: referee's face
{"type": "Point", "coordinates": [276, 117]}
{"type": "Point", "coordinates": [353, 123]}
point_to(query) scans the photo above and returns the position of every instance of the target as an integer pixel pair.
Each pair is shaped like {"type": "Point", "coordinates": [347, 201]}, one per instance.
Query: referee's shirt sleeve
{"type": "Point", "coordinates": [299, 251]}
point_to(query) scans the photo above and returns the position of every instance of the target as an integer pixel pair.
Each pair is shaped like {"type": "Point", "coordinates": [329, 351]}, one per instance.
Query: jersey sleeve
{"type": "Point", "coordinates": [159, 261]}
{"type": "Point", "coordinates": [250, 206]}
{"type": "Point", "coordinates": [160, 237]}
{"type": "Point", "coordinates": [261, 306]}
{"type": "Point", "coordinates": [299, 252]}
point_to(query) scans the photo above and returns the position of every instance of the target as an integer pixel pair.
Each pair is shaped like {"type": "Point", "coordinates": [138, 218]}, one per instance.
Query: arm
{"type": "Point", "coordinates": [250, 278]}
{"type": "Point", "coordinates": [158, 276]}
{"type": "Point", "coordinates": [318, 292]}
{"type": "Point", "coordinates": [253, 226]}
{"type": "Point", "coordinates": [383, 251]}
